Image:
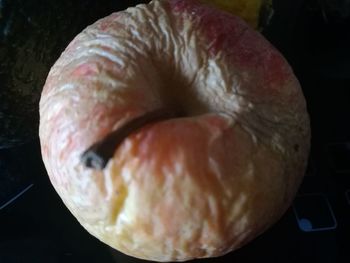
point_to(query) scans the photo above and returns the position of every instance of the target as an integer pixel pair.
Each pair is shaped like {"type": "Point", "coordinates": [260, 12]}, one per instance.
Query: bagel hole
{"type": "Point", "coordinates": [178, 94]}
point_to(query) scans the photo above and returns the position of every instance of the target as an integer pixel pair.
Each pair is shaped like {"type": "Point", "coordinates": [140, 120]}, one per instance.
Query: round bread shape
{"type": "Point", "coordinates": [195, 185]}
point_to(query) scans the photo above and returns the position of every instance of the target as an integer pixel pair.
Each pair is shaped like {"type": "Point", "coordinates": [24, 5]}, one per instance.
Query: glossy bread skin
{"type": "Point", "coordinates": [183, 188]}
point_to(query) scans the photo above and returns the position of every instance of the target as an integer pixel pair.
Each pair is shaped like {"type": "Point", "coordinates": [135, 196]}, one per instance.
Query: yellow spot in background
{"type": "Point", "coordinates": [248, 10]}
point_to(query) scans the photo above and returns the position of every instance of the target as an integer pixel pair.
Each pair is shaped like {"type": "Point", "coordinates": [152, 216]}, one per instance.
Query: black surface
{"type": "Point", "coordinates": [32, 35]}
{"type": "Point", "coordinates": [12, 178]}
{"type": "Point", "coordinates": [314, 37]}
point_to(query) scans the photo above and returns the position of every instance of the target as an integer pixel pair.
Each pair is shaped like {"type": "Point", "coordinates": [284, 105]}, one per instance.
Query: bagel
{"type": "Point", "coordinates": [173, 131]}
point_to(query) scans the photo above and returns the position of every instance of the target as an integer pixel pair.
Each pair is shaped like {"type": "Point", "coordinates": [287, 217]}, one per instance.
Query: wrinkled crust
{"type": "Point", "coordinates": [191, 187]}
{"type": "Point", "coordinates": [187, 197]}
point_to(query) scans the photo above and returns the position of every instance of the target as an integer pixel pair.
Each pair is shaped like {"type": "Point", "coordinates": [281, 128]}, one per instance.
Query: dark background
{"type": "Point", "coordinates": [314, 36]}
